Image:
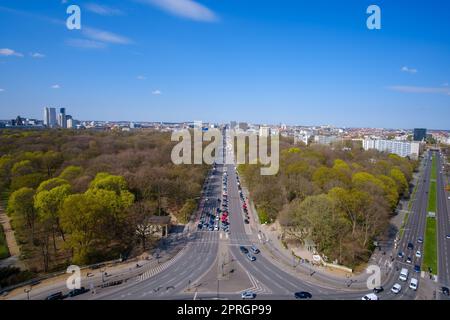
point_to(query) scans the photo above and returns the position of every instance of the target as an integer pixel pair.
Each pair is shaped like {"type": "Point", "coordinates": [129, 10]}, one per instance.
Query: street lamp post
{"type": "Point", "coordinates": [27, 291]}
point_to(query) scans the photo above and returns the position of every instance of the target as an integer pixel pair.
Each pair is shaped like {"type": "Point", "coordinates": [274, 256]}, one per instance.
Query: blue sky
{"type": "Point", "coordinates": [292, 61]}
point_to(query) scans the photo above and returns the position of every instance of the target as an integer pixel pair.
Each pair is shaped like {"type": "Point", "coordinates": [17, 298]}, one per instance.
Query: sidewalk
{"type": "Point", "coordinates": [13, 247]}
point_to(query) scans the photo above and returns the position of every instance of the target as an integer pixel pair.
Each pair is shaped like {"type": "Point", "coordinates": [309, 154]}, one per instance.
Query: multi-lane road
{"type": "Point", "coordinates": [193, 273]}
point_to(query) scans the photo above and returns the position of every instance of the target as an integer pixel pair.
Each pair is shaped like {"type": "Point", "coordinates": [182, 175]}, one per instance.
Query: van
{"type": "Point", "coordinates": [413, 284]}
{"type": "Point", "coordinates": [404, 274]}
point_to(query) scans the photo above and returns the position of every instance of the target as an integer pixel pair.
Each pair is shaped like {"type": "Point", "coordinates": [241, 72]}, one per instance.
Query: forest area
{"type": "Point", "coordinates": [340, 197]}
{"type": "Point", "coordinates": [82, 197]}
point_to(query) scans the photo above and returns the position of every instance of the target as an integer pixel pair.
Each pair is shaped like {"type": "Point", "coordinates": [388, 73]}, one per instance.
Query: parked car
{"type": "Point", "coordinates": [417, 268]}
{"type": "Point", "coordinates": [418, 254]}
{"type": "Point", "coordinates": [420, 240]}
{"type": "Point", "coordinates": [408, 260]}
{"type": "Point", "coordinates": [410, 246]}
{"type": "Point", "coordinates": [445, 291]}
{"type": "Point", "coordinates": [303, 295]}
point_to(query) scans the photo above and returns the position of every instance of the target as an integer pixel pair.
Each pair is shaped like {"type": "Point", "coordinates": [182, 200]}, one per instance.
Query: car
{"type": "Point", "coordinates": [370, 296]}
{"type": "Point", "coordinates": [302, 295]}
{"type": "Point", "coordinates": [445, 291]}
{"type": "Point", "coordinates": [408, 260]}
{"type": "Point", "coordinates": [55, 296]}
{"type": "Point", "coordinates": [396, 288]}
{"type": "Point", "coordinates": [413, 284]}
{"type": "Point", "coordinates": [417, 268]}
{"type": "Point", "coordinates": [77, 292]}
{"type": "Point", "coordinates": [378, 289]}
{"type": "Point", "coordinates": [418, 254]}
{"type": "Point", "coordinates": [420, 240]}
{"type": "Point", "coordinates": [401, 254]}
{"type": "Point", "coordinates": [248, 295]}
{"type": "Point", "coordinates": [254, 249]}
{"type": "Point", "coordinates": [211, 228]}
{"type": "Point", "coordinates": [250, 257]}
{"type": "Point", "coordinates": [447, 236]}
{"type": "Point", "coordinates": [243, 249]}
{"type": "Point", "coordinates": [410, 246]}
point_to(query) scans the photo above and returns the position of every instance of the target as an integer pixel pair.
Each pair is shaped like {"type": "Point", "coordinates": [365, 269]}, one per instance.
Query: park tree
{"type": "Point", "coordinates": [21, 208]}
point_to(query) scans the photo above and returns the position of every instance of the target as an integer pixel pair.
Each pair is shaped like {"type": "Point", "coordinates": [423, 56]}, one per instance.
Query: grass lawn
{"type": "Point", "coordinates": [432, 197]}
{"type": "Point", "coordinates": [430, 247]}
{"type": "Point", "coordinates": [4, 252]}
{"type": "Point", "coordinates": [430, 242]}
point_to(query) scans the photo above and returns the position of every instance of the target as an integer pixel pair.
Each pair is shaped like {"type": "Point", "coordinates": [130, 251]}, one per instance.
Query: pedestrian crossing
{"type": "Point", "coordinates": [161, 267]}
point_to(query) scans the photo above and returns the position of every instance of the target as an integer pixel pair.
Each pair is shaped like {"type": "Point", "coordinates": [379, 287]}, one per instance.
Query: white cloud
{"type": "Point", "coordinates": [188, 9]}
{"type": "Point", "coordinates": [85, 44]}
{"type": "Point", "coordinates": [37, 55]}
{"type": "Point", "coordinates": [445, 84]}
{"type": "Point", "coordinates": [2, 90]}
{"type": "Point", "coordinates": [156, 93]}
{"type": "Point", "coordinates": [409, 70]}
{"type": "Point", "coordinates": [10, 53]}
{"type": "Point", "coordinates": [141, 77]}
{"type": "Point", "coordinates": [103, 10]}
{"type": "Point", "coordinates": [105, 36]}
{"type": "Point", "coordinates": [413, 89]}
{"type": "Point", "coordinates": [56, 86]}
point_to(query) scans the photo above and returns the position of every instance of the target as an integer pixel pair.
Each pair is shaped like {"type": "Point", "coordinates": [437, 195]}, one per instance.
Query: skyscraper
{"type": "Point", "coordinates": [50, 117]}
{"type": "Point", "coordinates": [62, 121]}
{"type": "Point", "coordinates": [420, 134]}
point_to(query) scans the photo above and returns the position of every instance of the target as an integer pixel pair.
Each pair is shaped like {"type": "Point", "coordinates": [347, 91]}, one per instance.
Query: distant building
{"type": "Point", "coordinates": [243, 126]}
{"type": "Point", "coordinates": [326, 140]}
{"type": "Point", "coordinates": [264, 131]}
{"type": "Point", "coordinates": [50, 117]}
{"type": "Point", "coordinates": [233, 124]}
{"type": "Point", "coordinates": [401, 148]}
{"type": "Point", "coordinates": [62, 121]}
{"type": "Point", "coordinates": [420, 134]}
{"type": "Point", "coordinates": [70, 122]}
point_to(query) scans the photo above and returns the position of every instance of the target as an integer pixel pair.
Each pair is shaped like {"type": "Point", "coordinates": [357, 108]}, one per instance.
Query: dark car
{"type": "Point", "coordinates": [417, 268]}
{"type": "Point", "coordinates": [378, 289]}
{"type": "Point", "coordinates": [77, 292]}
{"type": "Point", "coordinates": [445, 291]}
{"type": "Point", "coordinates": [55, 296]}
{"type": "Point", "coordinates": [244, 250]}
{"type": "Point", "coordinates": [246, 221]}
{"type": "Point", "coordinates": [410, 246]}
{"type": "Point", "coordinates": [303, 295]}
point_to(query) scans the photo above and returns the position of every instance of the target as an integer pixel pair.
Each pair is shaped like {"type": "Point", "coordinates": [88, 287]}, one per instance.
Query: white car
{"type": "Point", "coordinates": [396, 288]}
{"type": "Point", "coordinates": [418, 254]}
{"type": "Point", "coordinates": [370, 296]}
{"type": "Point", "coordinates": [413, 284]}
{"type": "Point", "coordinates": [248, 295]}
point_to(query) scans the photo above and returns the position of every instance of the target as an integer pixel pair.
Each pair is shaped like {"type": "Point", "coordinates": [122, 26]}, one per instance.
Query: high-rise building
{"type": "Point", "coordinates": [420, 134]}
{"type": "Point", "coordinates": [69, 122]}
{"type": "Point", "coordinates": [401, 148]}
{"type": "Point", "coordinates": [50, 117]}
{"type": "Point", "coordinates": [62, 121]}
{"type": "Point", "coordinates": [243, 126]}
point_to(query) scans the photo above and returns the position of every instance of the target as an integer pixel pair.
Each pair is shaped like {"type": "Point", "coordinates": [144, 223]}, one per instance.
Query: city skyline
{"type": "Point", "coordinates": [296, 64]}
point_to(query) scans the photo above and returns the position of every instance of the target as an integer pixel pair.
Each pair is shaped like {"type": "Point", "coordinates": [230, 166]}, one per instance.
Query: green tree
{"type": "Point", "coordinates": [21, 208]}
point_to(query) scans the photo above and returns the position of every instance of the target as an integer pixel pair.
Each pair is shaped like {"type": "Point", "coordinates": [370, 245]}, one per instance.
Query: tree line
{"type": "Point", "coordinates": [340, 197]}
{"type": "Point", "coordinates": [84, 196]}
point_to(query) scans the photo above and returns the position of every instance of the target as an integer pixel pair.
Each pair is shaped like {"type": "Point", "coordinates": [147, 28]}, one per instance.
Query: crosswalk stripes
{"type": "Point", "coordinates": [153, 271]}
